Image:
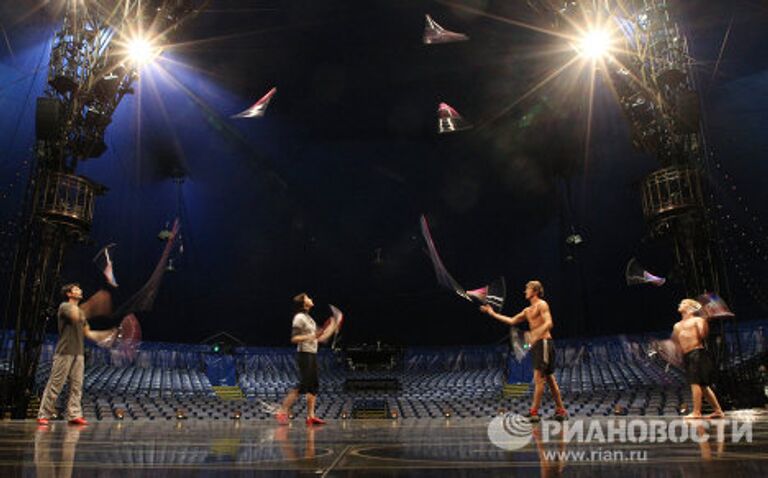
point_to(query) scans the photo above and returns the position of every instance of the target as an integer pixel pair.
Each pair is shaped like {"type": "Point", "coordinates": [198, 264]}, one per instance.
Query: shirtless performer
{"type": "Point", "coordinates": [543, 350]}
{"type": "Point", "coordinates": [689, 335]}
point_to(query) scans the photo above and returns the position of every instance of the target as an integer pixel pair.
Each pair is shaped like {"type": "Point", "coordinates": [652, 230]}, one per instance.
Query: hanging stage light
{"type": "Point", "coordinates": [141, 51]}
{"type": "Point", "coordinates": [594, 44]}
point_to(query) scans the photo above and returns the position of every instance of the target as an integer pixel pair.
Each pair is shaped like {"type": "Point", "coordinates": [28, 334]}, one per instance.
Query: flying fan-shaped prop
{"type": "Point", "coordinates": [144, 299]}
{"type": "Point", "coordinates": [636, 274]}
{"type": "Point", "coordinates": [124, 340]}
{"type": "Point", "coordinates": [713, 307]}
{"type": "Point", "coordinates": [332, 325]}
{"type": "Point", "coordinates": [128, 337]}
{"type": "Point", "coordinates": [493, 294]}
{"type": "Point", "coordinates": [258, 109]}
{"type": "Point", "coordinates": [517, 341]}
{"type": "Point", "coordinates": [444, 278]}
{"type": "Point", "coordinates": [449, 120]}
{"type": "Point", "coordinates": [103, 261]}
{"type": "Point", "coordinates": [667, 350]}
{"type": "Point", "coordinates": [435, 34]}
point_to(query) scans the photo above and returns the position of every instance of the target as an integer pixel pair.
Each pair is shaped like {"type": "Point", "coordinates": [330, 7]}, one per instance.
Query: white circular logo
{"type": "Point", "coordinates": [510, 431]}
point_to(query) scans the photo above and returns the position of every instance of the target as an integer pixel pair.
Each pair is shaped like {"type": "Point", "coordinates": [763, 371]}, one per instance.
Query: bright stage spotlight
{"type": "Point", "coordinates": [594, 44]}
{"type": "Point", "coordinates": [140, 51]}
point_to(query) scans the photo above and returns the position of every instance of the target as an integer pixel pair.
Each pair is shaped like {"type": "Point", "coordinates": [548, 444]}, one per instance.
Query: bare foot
{"type": "Point", "coordinates": [693, 416]}
{"type": "Point", "coordinates": [716, 415]}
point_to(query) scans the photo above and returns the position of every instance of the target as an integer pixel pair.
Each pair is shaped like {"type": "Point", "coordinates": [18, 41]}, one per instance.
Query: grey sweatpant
{"type": "Point", "coordinates": [64, 366]}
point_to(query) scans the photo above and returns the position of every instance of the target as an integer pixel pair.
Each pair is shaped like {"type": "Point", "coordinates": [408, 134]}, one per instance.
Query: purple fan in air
{"type": "Point", "coordinates": [144, 299]}
{"type": "Point", "coordinates": [517, 340]}
{"type": "Point", "coordinates": [333, 324]}
{"type": "Point", "coordinates": [434, 33]}
{"type": "Point", "coordinates": [636, 274]}
{"type": "Point", "coordinates": [98, 305]}
{"type": "Point", "coordinates": [449, 120]}
{"type": "Point", "coordinates": [103, 260]}
{"type": "Point", "coordinates": [713, 307]}
{"type": "Point", "coordinates": [125, 339]}
{"type": "Point", "coordinates": [338, 318]}
{"type": "Point", "coordinates": [258, 109]}
{"type": "Point", "coordinates": [668, 351]}
{"type": "Point", "coordinates": [444, 278]}
{"type": "Point", "coordinates": [493, 294]}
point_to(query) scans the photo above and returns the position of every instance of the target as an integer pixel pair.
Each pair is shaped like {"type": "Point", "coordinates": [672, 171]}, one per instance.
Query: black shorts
{"type": "Point", "coordinates": [699, 369]}
{"type": "Point", "coordinates": [308, 382]}
{"type": "Point", "coordinates": [543, 355]}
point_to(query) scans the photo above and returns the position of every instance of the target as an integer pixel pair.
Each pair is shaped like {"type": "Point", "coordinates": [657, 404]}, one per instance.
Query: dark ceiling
{"type": "Point", "coordinates": [324, 193]}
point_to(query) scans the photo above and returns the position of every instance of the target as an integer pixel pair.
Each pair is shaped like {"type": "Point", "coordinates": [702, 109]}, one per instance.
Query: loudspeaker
{"type": "Point", "coordinates": [47, 118]}
{"type": "Point", "coordinates": [688, 112]}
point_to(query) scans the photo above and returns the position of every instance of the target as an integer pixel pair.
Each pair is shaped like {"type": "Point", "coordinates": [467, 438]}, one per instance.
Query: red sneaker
{"type": "Point", "coordinates": [561, 414]}
{"type": "Point", "coordinates": [282, 418]}
{"type": "Point", "coordinates": [315, 421]}
{"type": "Point", "coordinates": [78, 421]}
{"type": "Point", "coordinates": [533, 416]}
{"type": "Point", "coordinates": [42, 421]}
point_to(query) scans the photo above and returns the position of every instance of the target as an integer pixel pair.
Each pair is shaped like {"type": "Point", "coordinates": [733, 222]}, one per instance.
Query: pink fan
{"type": "Point", "coordinates": [449, 120]}
{"type": "Point", "coordinates": [258, 109]}
{"type": "Point", "coordinates": [434, 33]}
{"type": "Point", "coordinates": [493, 294]}
{"type": "Point", "coordinates": [338, 318]}
{"type": "Point", "coordinates": [128, 337]}
{"type": "Point", "coordinates": [332, 325]}
{"type": "Point", "coordinates": [714, 307]}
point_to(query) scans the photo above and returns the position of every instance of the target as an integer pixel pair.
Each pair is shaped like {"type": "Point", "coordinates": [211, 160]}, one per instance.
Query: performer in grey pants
{"type": "Point", "coordinates": [68, 359]}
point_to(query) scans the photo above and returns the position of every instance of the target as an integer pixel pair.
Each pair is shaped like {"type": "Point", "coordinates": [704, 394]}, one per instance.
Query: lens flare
{"type": "Point", "coordinates": [594, 44]}
{"type": "Point", "coordinates": [141, 51]}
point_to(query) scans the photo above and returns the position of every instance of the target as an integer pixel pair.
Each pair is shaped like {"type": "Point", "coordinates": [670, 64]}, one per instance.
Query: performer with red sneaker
{"type": "Point", "coordinates": [542, 347]}
{"type": "Point", "coordinates": [68, 359]}
{"type": "Point", "coordinates": [306, 337]}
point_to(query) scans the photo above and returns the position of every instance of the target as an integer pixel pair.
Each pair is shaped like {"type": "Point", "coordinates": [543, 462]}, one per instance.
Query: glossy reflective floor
{"type": "Point", "coordinates": [439, 448]}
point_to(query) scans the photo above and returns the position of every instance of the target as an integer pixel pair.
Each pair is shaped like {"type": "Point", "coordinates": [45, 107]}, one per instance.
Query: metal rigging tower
{"type": "Point", "coordinates": [90, 71]}
{"type": "Point", "coordinates": [650, 69]}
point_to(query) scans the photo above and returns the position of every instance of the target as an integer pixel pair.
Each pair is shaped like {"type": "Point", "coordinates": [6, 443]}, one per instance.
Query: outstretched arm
{"type": "Point", "coordinates": [517, 319]}
{"type": "Point", "coordinates": [98, 336]}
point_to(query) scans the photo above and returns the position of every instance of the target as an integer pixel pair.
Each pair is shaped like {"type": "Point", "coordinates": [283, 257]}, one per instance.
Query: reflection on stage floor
{"type": "Point", "coordinates": [444, 448]}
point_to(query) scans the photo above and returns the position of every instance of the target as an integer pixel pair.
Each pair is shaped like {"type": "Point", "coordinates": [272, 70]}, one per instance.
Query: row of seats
{"type": "Point", "coordinates": [596, 376]}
